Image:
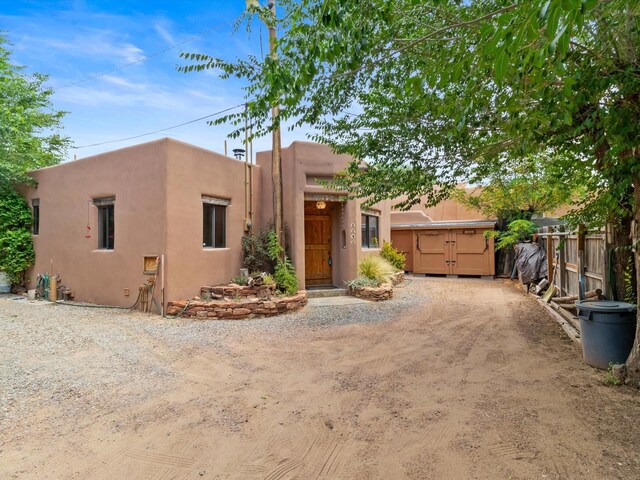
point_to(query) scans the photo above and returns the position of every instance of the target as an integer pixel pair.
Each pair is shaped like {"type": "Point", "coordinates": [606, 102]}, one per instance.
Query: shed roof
{"type": "Point", "coordinates": [439, 225]}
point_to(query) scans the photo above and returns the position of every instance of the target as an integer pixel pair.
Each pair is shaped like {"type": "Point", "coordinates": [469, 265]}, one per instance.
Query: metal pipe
{"type": "Point", "coordinates": [246, 166]}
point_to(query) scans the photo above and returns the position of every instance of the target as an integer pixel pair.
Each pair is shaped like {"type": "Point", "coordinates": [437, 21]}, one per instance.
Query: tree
{"type": "Point", "coordinates": [28, 140]}
{"type": "Point", "coordinates": [432, 92]}
{"type": "Point", "coordinates": [29, 137]}
{"type": "Point", "coordinates": [16, 245]}
{"type": "Point", "coordinates": [529, 189]}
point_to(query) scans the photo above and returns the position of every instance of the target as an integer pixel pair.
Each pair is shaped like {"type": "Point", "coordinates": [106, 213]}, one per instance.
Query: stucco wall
{"type": "Point", "coordinates": [193, 172]}
{"type": "Point", "coordinates": [136, 177]}
{"type": "Point", "coordinates": [301, 163]}
{"type": "Point", "coordinates": [158, 188]}
{"type": "Point", "coordinates": [447, 210]}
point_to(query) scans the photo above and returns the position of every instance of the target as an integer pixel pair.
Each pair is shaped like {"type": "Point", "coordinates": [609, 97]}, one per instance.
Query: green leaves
{"type": "Point", "coordinates": [432, 92]}
{"type": "Point", "coordinates": [16, 245]}
{"type": "Point", "coordinates": [29, 137]}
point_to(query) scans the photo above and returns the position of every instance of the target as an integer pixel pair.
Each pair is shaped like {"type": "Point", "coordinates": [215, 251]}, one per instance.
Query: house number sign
{"type": "Point", "coordinates": [353, 234]}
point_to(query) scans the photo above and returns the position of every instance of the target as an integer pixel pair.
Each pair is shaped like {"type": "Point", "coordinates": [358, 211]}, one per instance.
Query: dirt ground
{"type": "Point", "coordinates": [464, 379]}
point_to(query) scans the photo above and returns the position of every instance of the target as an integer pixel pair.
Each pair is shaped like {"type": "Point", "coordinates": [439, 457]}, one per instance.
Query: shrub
{"type": "Point", "coordinates": [376, 268]}
{"type": "Point", "coordinates": [255, 252]}
{"type": "Point", "coordinates": [268, 279]}
{"type": "Point", "coordinates": [517, 231]}
{"type": "Point", "coordinates": [361, 282]}
{"type": "Point", "coordinates": [240, 280]}
{"type": "Point", "coordinates": [393, 256]}
{"type": "Point", "coordinates": [16, 244]}
{"type": "Point", "coordinates": [285, 272]}
{"type": "Point", "coordinates": [285, 277]}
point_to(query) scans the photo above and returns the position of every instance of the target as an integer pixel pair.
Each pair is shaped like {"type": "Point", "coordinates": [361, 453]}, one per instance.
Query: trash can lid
{"type": "Point", "coordinates": [605, 306]}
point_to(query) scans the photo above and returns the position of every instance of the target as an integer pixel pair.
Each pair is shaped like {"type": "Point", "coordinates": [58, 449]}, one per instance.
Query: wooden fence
{"type": "Point", "coordinates": [572, 256]}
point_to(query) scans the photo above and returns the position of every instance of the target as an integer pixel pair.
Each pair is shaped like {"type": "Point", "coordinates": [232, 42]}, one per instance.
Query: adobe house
{"type": "Point", "coordinates": [102, 221]}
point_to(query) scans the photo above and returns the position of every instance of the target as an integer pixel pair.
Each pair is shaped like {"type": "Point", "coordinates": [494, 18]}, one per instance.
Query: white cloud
{"type": "Point", "coordinates": [166, 36]}
{"type": "Point", "coordinates": [97, 45]}
{"type": "Point", "coordinates": [122, 82]}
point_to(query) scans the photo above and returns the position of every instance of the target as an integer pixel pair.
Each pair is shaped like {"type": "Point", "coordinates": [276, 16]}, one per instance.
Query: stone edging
{"type": "Point", "coordinates": [376, 294]}
{"type": "Point", "coordinates": [381, 293]}
{"type": "Point", "coordinates": [248, 308]}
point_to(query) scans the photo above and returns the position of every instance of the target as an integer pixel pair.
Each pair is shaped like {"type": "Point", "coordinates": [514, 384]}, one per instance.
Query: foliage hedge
{"type": "Point", "coordinates": [16, 243]}
{"type": "Point", "coordinates": [393, 256]}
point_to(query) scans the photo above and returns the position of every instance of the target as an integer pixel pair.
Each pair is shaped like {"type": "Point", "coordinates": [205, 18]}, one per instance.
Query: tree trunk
{"type": "Point", "coordinates": [633, 362]}
{"type": "Point", "coordinates": [622, 256]}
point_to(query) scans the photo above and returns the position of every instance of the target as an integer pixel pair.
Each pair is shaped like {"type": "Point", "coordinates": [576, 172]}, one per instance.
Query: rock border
{"type": "Point", "coordinates": [237, 310]}
{"type": "Point", "coordinates": [381, 293]}
{"type": "Point", "coordinates": [375, 294]}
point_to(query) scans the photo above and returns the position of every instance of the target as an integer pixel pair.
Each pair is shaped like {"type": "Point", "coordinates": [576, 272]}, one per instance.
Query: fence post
{"type": "Point", "coordinates": [582, 288]}
{"type": "Point", "coordinates": [549, 246]}
{"type": "Point", "coordinates": [561, 262]}
{"type": "Point", "coordinates": [608, 240]}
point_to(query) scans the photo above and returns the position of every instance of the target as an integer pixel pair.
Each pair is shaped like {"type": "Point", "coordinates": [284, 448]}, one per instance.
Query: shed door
{"type": "Point", "coordinates": [470, 254]}
{"type": "Point", "coordinates": [403, 242]}
{"type": "Point", "coordinates": [432, 252]}
{"type": "Point", "coordinates": [317, 239]}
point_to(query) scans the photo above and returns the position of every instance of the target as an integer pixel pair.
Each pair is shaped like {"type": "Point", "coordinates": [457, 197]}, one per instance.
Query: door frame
{"type": "Point", "coordinates": [310, 210]}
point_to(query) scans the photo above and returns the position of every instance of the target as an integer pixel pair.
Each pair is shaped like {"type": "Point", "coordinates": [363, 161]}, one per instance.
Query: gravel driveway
{"type": "Point", "coordinates": [451, 379]}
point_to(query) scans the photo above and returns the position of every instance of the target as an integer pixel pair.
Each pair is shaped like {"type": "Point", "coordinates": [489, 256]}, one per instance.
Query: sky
{"type": "Point", "coordinates": [112, 66]}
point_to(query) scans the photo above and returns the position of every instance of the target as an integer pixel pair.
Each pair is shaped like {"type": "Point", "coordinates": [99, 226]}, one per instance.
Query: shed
{"type": "Point", "coordinates": [450, 248]}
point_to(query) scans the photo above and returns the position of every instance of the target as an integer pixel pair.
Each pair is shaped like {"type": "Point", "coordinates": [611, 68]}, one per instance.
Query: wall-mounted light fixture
{"type": "Point", "coordinates": [321, 205]}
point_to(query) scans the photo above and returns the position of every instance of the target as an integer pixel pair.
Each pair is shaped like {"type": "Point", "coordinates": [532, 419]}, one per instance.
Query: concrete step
{"type": "Point", "coordinates": [326, 292]}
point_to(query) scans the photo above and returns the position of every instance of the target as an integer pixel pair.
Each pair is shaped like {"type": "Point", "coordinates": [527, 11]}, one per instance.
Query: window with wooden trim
{"type": "Point", "coordinates": [370, 231]}
{"type": "Point", "coordinates": [214, 222]}
{"type": "Point", "coordinates": [106, 222]}
{"type": "Point", "coordinates": [35, 206]}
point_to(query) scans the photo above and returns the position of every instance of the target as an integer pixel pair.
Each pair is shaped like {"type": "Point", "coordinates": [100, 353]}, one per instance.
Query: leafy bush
{"type": "Point", "coordinates": [285, 277]}
{"type": "Point", "coordinates": [518, 231]}
{"type": "Point", "coordinates": [393, 256]}
{"type": "Point", "coordinates": [255, 252]}
{"type": "Point", "coordinates": [268, 279]}
{"type": "Point", "coordinates": [374, 267]}
{"type": "Point", "coordinates": [285, 272]}
{"type": "Point", "coordinates": [16, 243]}
{"type": "Point", "coordinates": [240, 280]}
{"type": "Point", "coordinates": [361, 282]}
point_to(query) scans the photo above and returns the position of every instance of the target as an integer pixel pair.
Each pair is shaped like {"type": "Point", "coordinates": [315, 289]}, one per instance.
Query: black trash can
{"type": "Point", "coordinates": [607, 329]}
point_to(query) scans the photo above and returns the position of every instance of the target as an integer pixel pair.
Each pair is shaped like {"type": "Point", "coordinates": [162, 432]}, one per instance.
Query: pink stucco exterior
{"type": "Point", "coordinates": [302, 164]}
{"type": "Point", "coordinates": [158, 189]}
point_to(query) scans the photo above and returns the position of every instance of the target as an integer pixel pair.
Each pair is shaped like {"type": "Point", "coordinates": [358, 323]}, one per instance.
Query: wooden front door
{"type": "Point", "coordinates": [317, 258]}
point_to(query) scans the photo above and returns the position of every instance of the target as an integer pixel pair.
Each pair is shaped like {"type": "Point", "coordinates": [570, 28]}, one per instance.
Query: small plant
{"type": "Point", "coordinates": [361, 282]}
{"type": "Point", "coordinates": [285, 277]}
{"type": "Point", "coordinates": [268, 279]}
{"type": "Point", "coordinates": [393, 256]}
{"type": "Point", "coordinates": [374, 267]}
{"type": "Point", "coordinates": [240, 280]}
{"type": "Point", "coordinates": [285, 272]}
{"type": "Point", "coordinates": [610, 378]}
